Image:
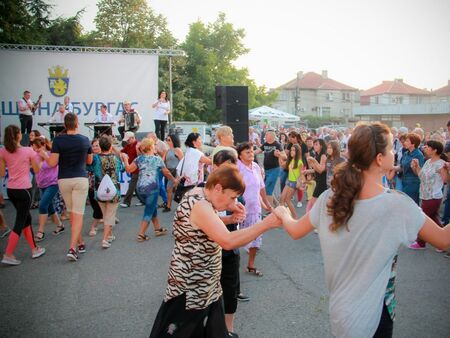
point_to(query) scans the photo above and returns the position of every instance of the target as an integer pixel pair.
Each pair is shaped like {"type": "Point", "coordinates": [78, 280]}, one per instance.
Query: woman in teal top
{"type": "Point", "coordinates": [410, 181]}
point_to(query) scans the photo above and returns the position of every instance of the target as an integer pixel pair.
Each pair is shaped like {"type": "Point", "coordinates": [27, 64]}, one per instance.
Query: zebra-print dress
{"type": "Point", "coordinates": [196, 261]}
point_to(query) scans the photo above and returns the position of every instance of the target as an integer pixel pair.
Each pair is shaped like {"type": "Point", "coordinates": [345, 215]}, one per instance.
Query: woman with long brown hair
{"type": "Point", "coordinates": [18, 159]}
{"type": "Point", "coordinates": [295, 177]}
{"type": "Point", "coordinates": [333, 159]}
{"type": "Point", "coordinates": [361, 226]}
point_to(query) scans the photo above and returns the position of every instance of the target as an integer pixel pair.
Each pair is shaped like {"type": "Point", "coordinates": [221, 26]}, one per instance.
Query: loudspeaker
{"type": "Point", "coordinates": [233, 100]}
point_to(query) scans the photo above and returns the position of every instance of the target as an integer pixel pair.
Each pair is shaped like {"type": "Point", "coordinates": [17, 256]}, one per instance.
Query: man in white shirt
{"type": "Point", "coordinates": [130, 119]}
{"type": "Point", "coordinates": [26, 110]}
{"type": "Point", "coordinates": [68, 105]}
{"type": "Point", "coordinates": [58, 118]}
{"type": "Point", "coordinates": [103, 117]}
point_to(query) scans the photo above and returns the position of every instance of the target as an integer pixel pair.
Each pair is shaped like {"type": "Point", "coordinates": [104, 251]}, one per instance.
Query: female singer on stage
{"type": "Point", "coordinates": [162, 111]}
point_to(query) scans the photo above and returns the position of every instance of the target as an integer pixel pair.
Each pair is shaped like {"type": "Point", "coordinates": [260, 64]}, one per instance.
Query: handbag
{"type": "Point", "coordinates": [181, 188]}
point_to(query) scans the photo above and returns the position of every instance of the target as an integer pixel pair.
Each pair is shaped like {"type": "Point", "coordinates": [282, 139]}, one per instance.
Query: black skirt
{"type": "Point", "coordinates": [174, 321]}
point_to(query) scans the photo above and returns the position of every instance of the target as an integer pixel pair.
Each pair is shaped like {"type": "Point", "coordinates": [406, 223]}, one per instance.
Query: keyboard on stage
{"type": "Point", "coordinates": [99, 124]}
{"type": "Point", "coordinates": [50, 124]}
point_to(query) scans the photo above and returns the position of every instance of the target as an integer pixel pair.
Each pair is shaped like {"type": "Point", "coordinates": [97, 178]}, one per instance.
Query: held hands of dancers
{"type": "Point", "coordinates": [282, 213]}
{"type": "Point", "coordinates": [272, 221]}
{"type": "Point", "coordinates": [238, 215]}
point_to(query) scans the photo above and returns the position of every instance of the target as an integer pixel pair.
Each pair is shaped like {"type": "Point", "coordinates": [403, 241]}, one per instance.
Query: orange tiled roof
{"type": "Point", "coordinates": [313, 80]}
{"type": "Point", "coordinates": [444, 91]}
{"type": "Point", "coordinates": [394, 87]}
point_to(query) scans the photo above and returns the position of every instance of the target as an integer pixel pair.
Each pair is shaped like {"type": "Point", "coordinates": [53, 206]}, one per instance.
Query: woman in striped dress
{"type": "Point", "coordinates": [192, 306]}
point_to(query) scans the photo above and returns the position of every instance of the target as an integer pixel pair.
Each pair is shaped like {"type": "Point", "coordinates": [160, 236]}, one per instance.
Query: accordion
{"type": "Point", "coordinates": [131, 121]}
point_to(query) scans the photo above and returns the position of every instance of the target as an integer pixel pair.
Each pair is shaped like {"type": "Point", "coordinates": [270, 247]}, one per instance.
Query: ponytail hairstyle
{"type": "Point", "coordinates": [439, 147]}
{"type": "Point", "coordinates": [366, 143]}
{"type": "Point", "coordinates": [298, 156]}
{"type": "Point", "coordinates": [11, 140]}
{"type": "Point", "coordinates": [42, 141]}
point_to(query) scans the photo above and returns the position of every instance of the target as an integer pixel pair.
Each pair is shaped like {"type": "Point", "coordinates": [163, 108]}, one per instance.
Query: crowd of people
{"type": "Point", "coordinates": [371, 188]}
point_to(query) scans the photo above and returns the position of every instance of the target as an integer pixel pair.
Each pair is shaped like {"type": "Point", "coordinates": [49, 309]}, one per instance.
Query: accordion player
{"type": "Point", "coordinates": [130, 120]}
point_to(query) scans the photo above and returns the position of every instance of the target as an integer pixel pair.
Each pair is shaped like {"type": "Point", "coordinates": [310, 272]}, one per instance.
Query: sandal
{"type": "Point", "coordinates": [39, 236]}
{"type": "Point", "coordinates": [160, 232]}
{"type": "Point", "coordinates": [93, 232]}
{"type": "Point", "coordinates": [254, 271]}
{"type": "Point", "coordinates": [58, 230]}
{"type": "Point", "coordinates": [143, 238]}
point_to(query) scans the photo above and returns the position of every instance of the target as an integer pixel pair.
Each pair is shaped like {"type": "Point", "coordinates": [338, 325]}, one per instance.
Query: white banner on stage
{"type": "Point", "coordinates": [89, 79]}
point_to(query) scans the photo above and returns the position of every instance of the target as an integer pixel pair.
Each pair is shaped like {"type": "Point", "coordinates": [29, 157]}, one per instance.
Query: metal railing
{"type": "Point", "coordinates": [403, 109]}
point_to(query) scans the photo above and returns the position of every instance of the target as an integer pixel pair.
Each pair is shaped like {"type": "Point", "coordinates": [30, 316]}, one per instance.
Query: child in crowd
{"type": "Point", "coordinates": [47, 182]}
{"type": "Point", "coordinates": [310, 185]}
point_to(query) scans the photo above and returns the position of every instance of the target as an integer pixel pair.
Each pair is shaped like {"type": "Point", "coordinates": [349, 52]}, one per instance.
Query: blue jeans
{"type": "Point", "coordinates": [151, 204]}
{"type": "Point", "coordinates": [411, 188]}
{"type": "Point", "coordinates": [46, 202]}
{"type": "Point", "coordinates": [283, 178]}
{"type": "Point", "coordinates": [270, 180]}
{"type": "Point", "coordinates": [446, 216]}
{"type": "Point", "coordinates": [162, 188]}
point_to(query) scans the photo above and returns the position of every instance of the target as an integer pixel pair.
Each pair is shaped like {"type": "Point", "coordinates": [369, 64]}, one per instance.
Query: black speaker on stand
{"type": "Point", "coordinates": [233, 100]}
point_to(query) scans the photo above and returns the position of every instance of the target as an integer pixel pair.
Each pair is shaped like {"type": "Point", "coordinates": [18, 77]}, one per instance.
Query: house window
{"type": "Point", "coordinates": [345, 96]}
{"type": "Point", "coordinates": [326, 111]}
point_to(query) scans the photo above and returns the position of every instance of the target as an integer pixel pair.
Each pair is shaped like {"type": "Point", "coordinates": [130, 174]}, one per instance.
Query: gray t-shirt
{"type": "Point", "coordinates": [358, 261]}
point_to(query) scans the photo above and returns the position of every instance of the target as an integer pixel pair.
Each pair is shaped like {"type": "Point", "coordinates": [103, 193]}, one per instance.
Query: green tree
{"type": "Point", "coordinates": [66, 31]}
{"type": "Point", "coordinates": [316, 121]}
{"type": "Point", "coordinates": [24, 21]}
{"type": "Point", "coordinates": [211, 50]}
{"type": "Point", "coordinates": [130, 23]}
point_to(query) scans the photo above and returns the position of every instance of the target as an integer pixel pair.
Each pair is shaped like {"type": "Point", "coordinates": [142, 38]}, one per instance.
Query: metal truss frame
{"type": "Point", "coordinates": [99, 50]}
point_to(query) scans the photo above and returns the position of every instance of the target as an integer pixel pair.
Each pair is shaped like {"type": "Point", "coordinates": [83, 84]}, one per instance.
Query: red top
{"type": "Point", "coordinates": [130, 150]}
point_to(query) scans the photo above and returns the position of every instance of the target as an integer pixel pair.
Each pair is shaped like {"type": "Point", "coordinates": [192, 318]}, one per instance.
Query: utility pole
{"type": "Point", "coordinates": [297, 109]}
{"type": "Point", "coordinates": [171, 119]}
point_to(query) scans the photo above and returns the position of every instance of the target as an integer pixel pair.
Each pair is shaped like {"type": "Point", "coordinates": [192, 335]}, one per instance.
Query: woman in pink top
{"type": "Point", "coordinates": [18, 160]}
{"type": "Point", "coordinates": [253, 195]}
{"type": "Point", "coordinates": [47, 181]}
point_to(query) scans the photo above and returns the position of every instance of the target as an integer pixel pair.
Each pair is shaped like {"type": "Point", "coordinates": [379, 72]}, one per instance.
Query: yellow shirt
{"type": "Point", "coordinates": [310, 186]}
{"type": "Point", "coordinates": [294, 174]}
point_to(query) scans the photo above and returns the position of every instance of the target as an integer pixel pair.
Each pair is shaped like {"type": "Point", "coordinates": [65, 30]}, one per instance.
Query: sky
{"type": "Point", "coordinates": [359, 42]}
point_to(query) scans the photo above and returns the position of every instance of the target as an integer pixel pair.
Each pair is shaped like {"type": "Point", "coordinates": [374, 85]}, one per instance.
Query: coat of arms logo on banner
{"type": "Point", "coordinates": [58, 81]}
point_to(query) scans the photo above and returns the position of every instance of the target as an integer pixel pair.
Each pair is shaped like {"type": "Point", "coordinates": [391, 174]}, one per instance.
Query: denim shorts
{"type": "Point", "coordinates": [270, 180]}
{"type": "Point", "coordinates": [291, 184]}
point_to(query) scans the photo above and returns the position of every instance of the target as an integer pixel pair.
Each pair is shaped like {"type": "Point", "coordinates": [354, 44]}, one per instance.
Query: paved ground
{"type": "Point", "coordinates": [117, 292]}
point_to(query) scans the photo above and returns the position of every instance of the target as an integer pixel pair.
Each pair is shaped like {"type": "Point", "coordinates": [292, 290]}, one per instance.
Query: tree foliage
{"type": "Point", "coordinates": [24, 21]}
{"type": "Point", "coordinates": [211, 50]}
{"type": "Point", "coordinates": [131, 23]}
{"type": "Point", "coordinates": [316, 121]}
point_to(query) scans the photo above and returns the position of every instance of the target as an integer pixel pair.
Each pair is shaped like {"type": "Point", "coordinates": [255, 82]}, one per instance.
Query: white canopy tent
{"type": "Point", "coordinates": [271, 114]}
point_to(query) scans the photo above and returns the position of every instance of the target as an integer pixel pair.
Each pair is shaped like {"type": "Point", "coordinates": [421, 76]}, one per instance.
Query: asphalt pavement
{"type": "Point", "coordinates": [117, 292]}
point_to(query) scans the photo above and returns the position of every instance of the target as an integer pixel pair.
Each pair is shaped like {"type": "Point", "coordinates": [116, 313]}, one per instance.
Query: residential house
{"type": "Point", "coordinates": [317, 95]}
{"type": "Point", "coordinates": [397, 103]}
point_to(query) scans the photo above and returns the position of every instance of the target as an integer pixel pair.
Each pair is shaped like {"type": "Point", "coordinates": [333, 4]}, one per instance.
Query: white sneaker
{"type": "Point", "coordinates": [138, 204]}
{"type": "Point", "coordinates": [111, 238]}
{"type": "Point", "coordinates": [10, 260]}
{"type": "Point", "coordinates": [299, 204]}
{"type": "Point", "coordinates": [38, 252]}
{"type": "Point", "coordinates": [106, 244]}
{"type": "Point", "coordinates": [124, 205]}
